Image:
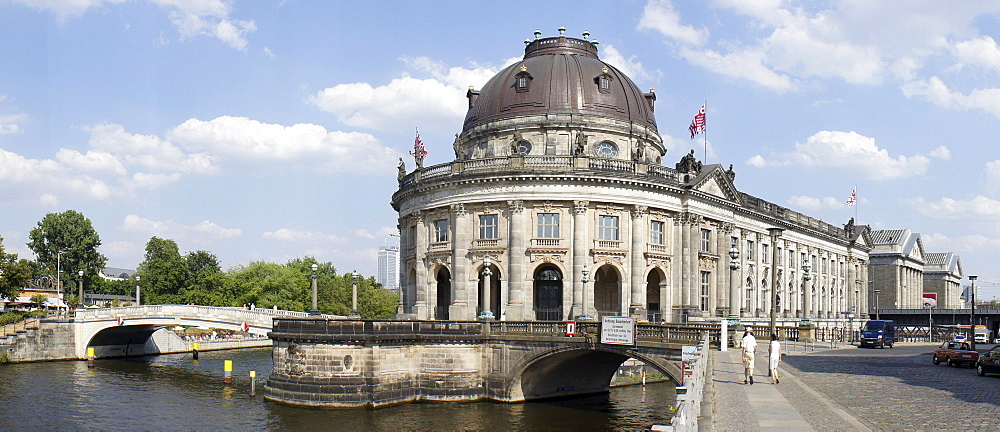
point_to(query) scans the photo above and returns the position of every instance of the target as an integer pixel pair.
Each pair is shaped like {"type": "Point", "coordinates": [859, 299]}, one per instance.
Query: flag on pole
{"type": "Point", "coordinates": [698, 124]}
{"type": "Point", "coordinates": [418, 146]}
{"type": "Point", "coordinates": [853, 199]}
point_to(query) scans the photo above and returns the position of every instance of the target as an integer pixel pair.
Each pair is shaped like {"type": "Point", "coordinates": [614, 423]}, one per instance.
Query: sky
{"type": "Point", "coordinates": [270, 130]}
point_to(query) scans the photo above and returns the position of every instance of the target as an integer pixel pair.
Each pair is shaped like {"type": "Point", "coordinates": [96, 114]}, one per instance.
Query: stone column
{"type": "Point", "coordinates": [516, 280]}
{"type": "Point", "coordinates": [460, 240]}
{"type": "Point", "coordinates": [580, 246]}
{"type": "Point", "coordinates": [420, 307]}
{"type": "Point", "coordinates": [735, 281]}
{"type": "Point", "coordinates": [404, 284]}
{"type": "Point", "coordinates": [637, 308]}
{"type": "Point", "coordinates": [720, 298]}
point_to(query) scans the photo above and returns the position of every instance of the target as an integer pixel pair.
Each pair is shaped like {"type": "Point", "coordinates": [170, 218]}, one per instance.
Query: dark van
{"type": "Point", "coordinates": [878, 333]}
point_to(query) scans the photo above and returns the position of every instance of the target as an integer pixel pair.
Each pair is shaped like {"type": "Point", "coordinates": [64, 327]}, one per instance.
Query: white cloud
{"type": "Point", "coordinates": [660, 16]}
{"type": "Point", "coordinates": [631, 67]}
{"type": "Point", "coordinates": [748, 65]}
{"type": "Point", "coordinates": [67, 8]}
{"type": "Point", "coordinates": [48, 200]}
{"type": "Point", "coordinates": [982, 52]}
{"type": "Point", "coordinates": [22, 177]}
{"type": "Point", "coordinates": [147, 151]}
{"type": "Point", "coordinates": [435, 103]}
{"type": "Point", "coordinates": [952, 209]}
{"type": "Point", "coordinates": [941, 152]}
{"type": "Point", "coordinates": [11, 123]}
{"type": "Point", "coordinates": [851, 153]}
{"type": "Point", "coordinates": [238, 141]}
{"type": "Point", "coordinates": [806, 203]}
{"type": "Point", "coordinates": [287, 235]}
{"type": "Point", "coordinates": [92, 162]}
{"type": "Point", "coordinates": [170, 229]}
{"type": "Point", "coordinates": [938, 93]}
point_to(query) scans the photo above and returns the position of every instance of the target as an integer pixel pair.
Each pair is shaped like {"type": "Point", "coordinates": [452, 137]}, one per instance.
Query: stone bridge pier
{"type": "Point", "coordinates": [337, 363]}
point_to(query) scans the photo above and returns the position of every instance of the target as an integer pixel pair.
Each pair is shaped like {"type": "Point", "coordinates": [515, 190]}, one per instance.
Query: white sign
{"type": "Point", "coordinates": [618, 330]}
{"type": "Point", "coordinates": [688, 352]}
{"type": "Point", "coordinates": [570, 328]}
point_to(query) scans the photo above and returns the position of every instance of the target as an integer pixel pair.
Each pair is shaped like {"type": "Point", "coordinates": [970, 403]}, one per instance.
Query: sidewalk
{"type": "Point", "coordinates": [731, 405]}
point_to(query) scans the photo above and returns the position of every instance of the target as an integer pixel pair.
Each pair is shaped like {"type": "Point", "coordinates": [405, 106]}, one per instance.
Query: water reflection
{"type": "Point", "coordinates": [174, 392]}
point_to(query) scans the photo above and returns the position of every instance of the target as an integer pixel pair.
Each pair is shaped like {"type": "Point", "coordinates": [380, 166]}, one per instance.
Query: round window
{"type": "Point", "coordinates": [524, 147]}
{"type": "Point", "coordinates": [606, 149]}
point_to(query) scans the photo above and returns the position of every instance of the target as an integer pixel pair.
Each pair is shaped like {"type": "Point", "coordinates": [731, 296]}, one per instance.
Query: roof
{"type": "Point", "coordinates": [563, 75]}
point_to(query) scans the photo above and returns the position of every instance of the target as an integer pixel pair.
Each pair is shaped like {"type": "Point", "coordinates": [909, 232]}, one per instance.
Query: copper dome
{"type": "Point", "coordinates": [560, 75]}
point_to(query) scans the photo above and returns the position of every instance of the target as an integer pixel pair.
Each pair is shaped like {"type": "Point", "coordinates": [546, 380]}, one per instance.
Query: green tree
{"type": "Point", "coordinates": [39, 300]}
{"type": "Point", "coordinates": [374, 301]}
{"type": "Point", "coordinates": [267, 284]}
{"type": "Point", "coordinates": [14, 274]}
{"type": "Point", "coordinates": [206, 282]}
{"type": "Point", "coordinates": [74, 235]}
{"type": "Point", "coordinates": [163, 272]}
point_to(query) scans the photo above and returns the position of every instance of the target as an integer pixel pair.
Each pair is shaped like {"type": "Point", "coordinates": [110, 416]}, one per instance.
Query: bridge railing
{"type": "Point", "coordinates": [234, 314]}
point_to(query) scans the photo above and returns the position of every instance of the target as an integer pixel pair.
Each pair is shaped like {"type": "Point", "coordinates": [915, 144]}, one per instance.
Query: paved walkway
{"type": "Point", "coordinates": [731, 405]}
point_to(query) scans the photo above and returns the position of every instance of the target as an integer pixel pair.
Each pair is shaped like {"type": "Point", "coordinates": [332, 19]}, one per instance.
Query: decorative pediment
{"type": "Point", "coordinates": [717, 182]}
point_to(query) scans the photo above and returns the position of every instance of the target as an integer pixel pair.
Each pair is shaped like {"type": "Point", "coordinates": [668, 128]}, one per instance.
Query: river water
{"type": "Point", "coordinates": [175, 392]}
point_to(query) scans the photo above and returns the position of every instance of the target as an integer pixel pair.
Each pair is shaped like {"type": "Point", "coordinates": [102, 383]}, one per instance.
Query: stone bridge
{"type": "Point", "coordinates": [118, 331]}
{"type": "Point", "coordinates": [356, 363]}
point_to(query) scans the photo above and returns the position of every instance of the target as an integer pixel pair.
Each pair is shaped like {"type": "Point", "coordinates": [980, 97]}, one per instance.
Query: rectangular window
{"type": "Point", "coordinates": [488, 227]}
{"type": "Point", "coordinates": [441, 230]}
{"type": "Point", "coordinates": [763, 253]}
{"type": "Point", "coordinates": [750, 250]}
{"type": "Point", "coordinates": [548, 225]}
{"type": "Point", "coordinates": [733, 242]}
{"type": "Point", "coordinates": [791, 259]}
{"type": "Point", "coordinates": [704, 290]}
{"type": "Point", "coordinates": [656, 232]}
{"type": "Point", "coordinates": [780, 255]}
{"type": "Point", "coordinates": [706, 244]}
{"type": "Point", "coordinates": [607, 228]}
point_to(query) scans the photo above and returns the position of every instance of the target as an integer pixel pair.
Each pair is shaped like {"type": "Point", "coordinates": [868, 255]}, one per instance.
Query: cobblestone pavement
{"type": "Point", "coordinates": [891, 390]}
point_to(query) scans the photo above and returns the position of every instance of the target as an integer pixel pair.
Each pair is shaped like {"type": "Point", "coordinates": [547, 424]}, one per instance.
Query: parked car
{"type": "Point", "coordinates": [878, 333]}
{"type": "Point", "coordinates": [955, 354]}
{"type": "Point", "coordinates": [989, 362]}
{"type": "Point", "coordinates": [960, 337]}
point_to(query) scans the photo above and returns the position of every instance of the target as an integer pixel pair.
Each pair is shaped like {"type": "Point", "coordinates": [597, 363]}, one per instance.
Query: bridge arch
{"type": "Point", "coordinates": [568, 370]}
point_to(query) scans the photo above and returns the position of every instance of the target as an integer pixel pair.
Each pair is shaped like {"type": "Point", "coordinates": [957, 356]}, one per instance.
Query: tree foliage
{"type": "Point", "coordinates": [163, 273]}
{"type": "Point", "coordinates": [14, 274]}
{"type": "Point", "coordinates": [74, 235]}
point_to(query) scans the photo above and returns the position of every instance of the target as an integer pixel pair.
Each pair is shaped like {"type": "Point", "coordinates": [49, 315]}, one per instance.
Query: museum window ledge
{"type": "Point", "coordinates": [438, 246]}
{"type": "Point", "coordinates": [658, 249]}
{"type": "Point", "coordinates": [546, 242]}
{"type": "Point", "coordinates": [485, 243]}
{"type": "Point", "coordinates": [608, 244]}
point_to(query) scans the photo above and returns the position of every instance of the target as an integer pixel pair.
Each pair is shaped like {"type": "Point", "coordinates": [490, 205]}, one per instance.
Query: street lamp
{"type": "Point", "coordinates": [79, 301]}
{"type": "Point", "coordinates": [59, 272]}
{"type": "Point", "coordinates": [972, 312]}
{"type": "Point", "coordinates": [734, 293]}
{"type": "Point", "coordinates": [876, 303]}
{"type": "Point", "coordinates": [354, 295]}
{"type": "Point", "coordinates": [484, 302]}
{"type": "Point", "coordinates": [806, 292]}
{"type": "Point", "coordinates": [585, 316]}
{"type": "Point", "coordinates": [315, 309]}
{"type": "Point", "coordinates": [775, 233]}
{"type": "Point", "coordinates": [137, 302]}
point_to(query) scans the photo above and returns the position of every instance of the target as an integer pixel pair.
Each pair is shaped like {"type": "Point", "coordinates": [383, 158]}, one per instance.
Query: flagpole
{"type": "Point", "coordinates": [705, 152]}
{"type": "Point", "coordinates": [857, 204]}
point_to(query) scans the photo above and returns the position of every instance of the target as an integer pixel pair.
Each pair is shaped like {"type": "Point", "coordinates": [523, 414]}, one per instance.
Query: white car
{"type": "Point", "coordinates": [960, 337]}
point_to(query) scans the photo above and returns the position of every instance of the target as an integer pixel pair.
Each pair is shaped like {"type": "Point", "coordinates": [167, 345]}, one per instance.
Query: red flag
{"type": "Point", "coordinates": [853, 199]}
{"type": "Point", "coordinates": [698, 124]}
{"type": "Point", "coordinates": [418, 146]}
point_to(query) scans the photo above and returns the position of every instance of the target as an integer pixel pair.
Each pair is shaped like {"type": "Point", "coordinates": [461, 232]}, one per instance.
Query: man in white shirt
{"type": "Point", "coordinates": [749, 348]}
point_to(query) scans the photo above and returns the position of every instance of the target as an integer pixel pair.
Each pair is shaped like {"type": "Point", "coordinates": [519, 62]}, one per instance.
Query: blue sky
{"type": "Point", "coordinates": [270, 130]}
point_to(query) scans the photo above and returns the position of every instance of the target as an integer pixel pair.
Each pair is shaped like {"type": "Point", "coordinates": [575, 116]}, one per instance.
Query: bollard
{"type": "Point", "coordinates": [228, 372]}
{"type": "Point", "coordinates": [90, 357]}
{"type": "Point", "coordinates": [253, 383]}
{"type": "Point", "coordinates": [194, 350]}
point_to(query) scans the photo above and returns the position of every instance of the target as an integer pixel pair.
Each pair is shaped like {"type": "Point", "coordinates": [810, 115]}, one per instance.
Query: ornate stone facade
{"type": "Point", "coordinates": [585, 220]}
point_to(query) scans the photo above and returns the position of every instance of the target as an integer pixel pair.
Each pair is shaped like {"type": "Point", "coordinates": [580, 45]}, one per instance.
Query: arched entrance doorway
{"type": "Point", "coordinates": [653, 312]}
{"type": "Point", "coordinates": [494, 291]}
{"type": "Point", "coordinates": [548, 294]}
{"type": "Point", "coordinates": [443, 294]}
{"type": "Point", "coordinates": [607, 292]}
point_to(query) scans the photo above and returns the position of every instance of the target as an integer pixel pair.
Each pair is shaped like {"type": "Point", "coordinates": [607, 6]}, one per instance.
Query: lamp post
{"type": "Point", "coordinates": [586, 273]}
{"type": "Point", "coordinates": [972, 312]}
{"type": "Point", "coordinates": [876, 303]}
{"type": "Point", "coordinates": [484, 302]}
{"type": "Point", "coordinates": [734, 293]}
{"type": "Point", "coordinates": [59, 272]}
{"type": "Point", "coordinates": [806, 277]}
{"type": "Point", "coordinates": [315, 308]}
{"type": "Point", "coordinates": [775, 233]}
{"type": "Point", "coordinates": [137, 302]}
{"type": "Point", "coordinates": [354, 295]}
{"type": "Point", "coordinates": [79, 301]}
{"type": "Point", "coordinates": [930, 322]}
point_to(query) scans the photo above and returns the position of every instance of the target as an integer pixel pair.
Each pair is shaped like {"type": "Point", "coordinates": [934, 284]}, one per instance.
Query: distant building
{"type": "Point", "coordinates": [388, 267]}
{"type": "Point", "coordinates": [897, 269]}
{"type": "Point", "coordinates": [114, 273]}
{"type": "Point", "coordinates": [943, 278]}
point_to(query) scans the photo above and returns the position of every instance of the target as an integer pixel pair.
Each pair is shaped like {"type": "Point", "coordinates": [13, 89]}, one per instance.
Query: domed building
{"type": "Point", "coordinates": [557, 206]}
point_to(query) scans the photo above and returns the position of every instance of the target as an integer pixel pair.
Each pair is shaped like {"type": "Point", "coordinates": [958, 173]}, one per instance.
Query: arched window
{"type": "Point", "coordinates": [548, 294]}
{"type": "Point", "coordinates": [606, 149]}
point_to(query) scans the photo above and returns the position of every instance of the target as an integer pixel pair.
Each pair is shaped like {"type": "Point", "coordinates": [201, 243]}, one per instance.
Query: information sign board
{"type": "Point", "coordinates": [688, 352]}
{"type": "Point", "coordinates": [618, 330]}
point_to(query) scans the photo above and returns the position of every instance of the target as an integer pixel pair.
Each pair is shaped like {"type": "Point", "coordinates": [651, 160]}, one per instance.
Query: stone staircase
{"type": "Point", "coordinates": [12, 335]}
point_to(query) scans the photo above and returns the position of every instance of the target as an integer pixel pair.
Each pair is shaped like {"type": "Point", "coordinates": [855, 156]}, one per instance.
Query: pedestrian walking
{"type": "Point", "coordinates": [749, 349]}
{"type": "Point", "coordinates": [774, 357]}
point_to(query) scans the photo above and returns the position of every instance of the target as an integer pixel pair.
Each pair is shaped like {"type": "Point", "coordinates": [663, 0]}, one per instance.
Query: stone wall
{"type": "Point", "coordinates": [41, 341]}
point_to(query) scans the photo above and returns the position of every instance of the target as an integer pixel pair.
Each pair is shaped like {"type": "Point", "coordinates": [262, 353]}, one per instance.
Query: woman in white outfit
{"type": "Point", "coordinates": [774, 357]}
